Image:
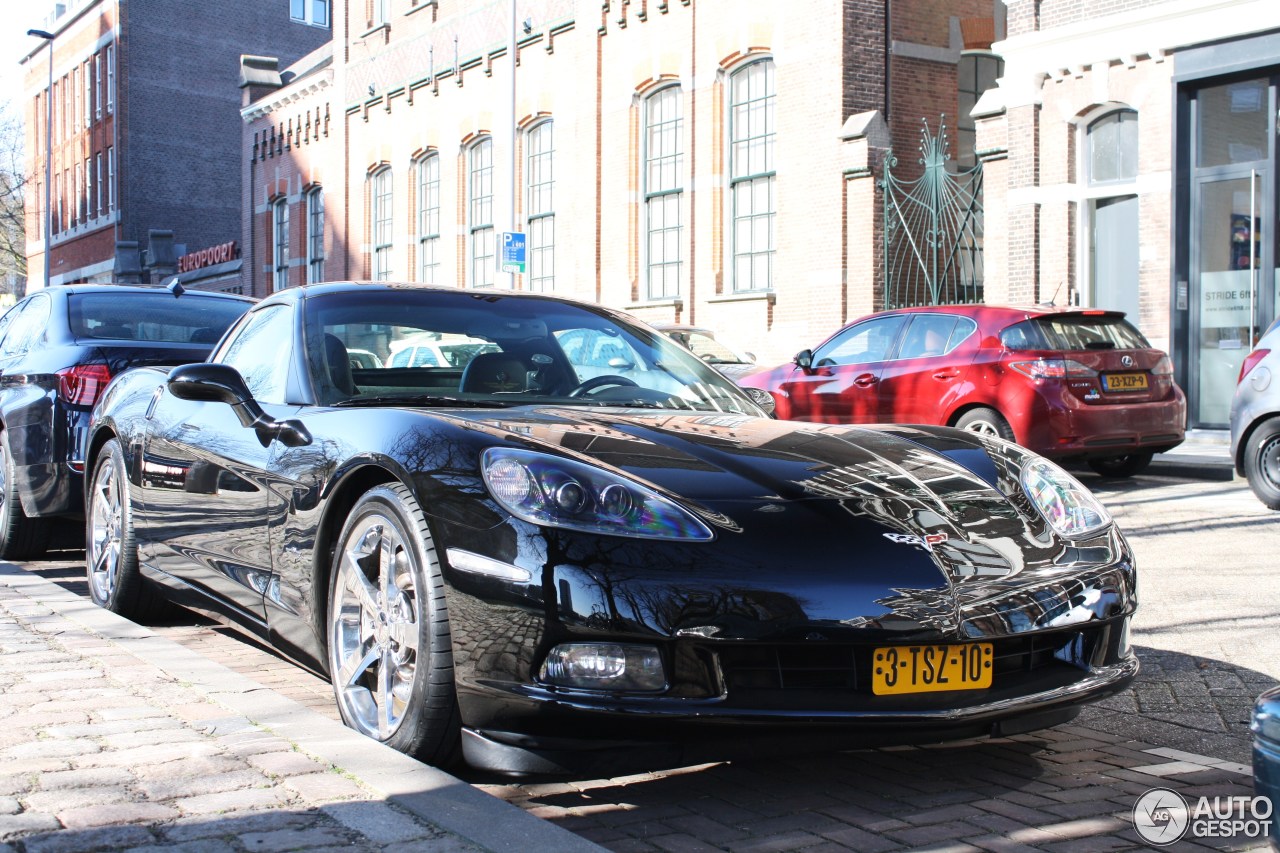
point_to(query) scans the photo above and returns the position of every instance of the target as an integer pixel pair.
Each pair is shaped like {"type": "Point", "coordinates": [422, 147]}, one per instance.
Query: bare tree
{"type": "Point", "coordinates": [13, 239]}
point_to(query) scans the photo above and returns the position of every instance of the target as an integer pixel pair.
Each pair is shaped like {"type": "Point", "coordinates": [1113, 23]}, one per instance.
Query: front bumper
{"type": "Point", "coordinates": [670, 737]}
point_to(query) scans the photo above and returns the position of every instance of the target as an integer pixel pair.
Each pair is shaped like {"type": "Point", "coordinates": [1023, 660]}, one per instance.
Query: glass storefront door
{"type": "Point", "coordinates": [1233, 196]}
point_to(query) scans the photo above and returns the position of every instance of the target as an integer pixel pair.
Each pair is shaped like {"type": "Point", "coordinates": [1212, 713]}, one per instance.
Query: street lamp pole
{"type": "Point", "coordinates": [48, 158]}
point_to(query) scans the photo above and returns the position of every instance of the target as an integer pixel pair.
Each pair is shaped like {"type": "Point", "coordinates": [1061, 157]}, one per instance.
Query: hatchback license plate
{"type": "Point", "coordinates": [1124, 381]}
{"type": "Point", "coordinates": [929, 669]}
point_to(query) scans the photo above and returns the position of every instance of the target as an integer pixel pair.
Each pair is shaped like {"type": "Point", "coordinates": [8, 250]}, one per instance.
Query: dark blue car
{"type": "Point", "coordinates": [1266, 751]}
{"type": "Point", "coordinates": [59, 347]}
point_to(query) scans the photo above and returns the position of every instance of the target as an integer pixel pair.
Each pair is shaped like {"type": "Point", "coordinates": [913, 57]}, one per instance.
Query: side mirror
{"type": "Point", "coordinates": [220, 383]}
{"type": "Point", "coordinates": [804, 360]}
{"type": "Point", "coordinates": [209, 383]}
{"type": "Point", "coordinates": [620, 363]}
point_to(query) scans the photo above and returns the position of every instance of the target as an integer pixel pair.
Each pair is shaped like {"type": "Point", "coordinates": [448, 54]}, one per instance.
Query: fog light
{"type": "Point", "coordinates": [604, 666]}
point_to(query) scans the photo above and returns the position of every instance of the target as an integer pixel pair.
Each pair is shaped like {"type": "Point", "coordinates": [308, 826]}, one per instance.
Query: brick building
{"type": "Point", "coordinates": [1132, 164]}
{"type": "Point", "coordinates": [145, 130]}
{"type": "Point", "coordinates": [708, 161]}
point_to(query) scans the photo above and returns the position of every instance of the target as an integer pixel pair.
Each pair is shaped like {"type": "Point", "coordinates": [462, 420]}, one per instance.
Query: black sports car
{"type": "Point", "coordinates": [587, 548]}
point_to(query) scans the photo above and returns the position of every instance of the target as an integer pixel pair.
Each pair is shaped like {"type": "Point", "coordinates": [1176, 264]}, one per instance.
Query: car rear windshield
{"type": "Point", "coordinates": [132, 316]}
{"type": "Point", "coordinates": [1073, 332]}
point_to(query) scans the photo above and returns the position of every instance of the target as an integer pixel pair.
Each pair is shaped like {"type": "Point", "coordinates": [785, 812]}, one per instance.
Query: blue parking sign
{"type": "Point", "coordinates": [514, 255]}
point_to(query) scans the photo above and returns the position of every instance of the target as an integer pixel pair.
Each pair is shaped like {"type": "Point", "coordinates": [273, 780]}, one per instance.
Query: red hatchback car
{"type": "Point", "coordinates": [1066, 383]}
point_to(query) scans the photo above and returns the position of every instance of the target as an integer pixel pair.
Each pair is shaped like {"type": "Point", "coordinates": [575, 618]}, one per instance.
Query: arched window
{"type": "Point", "coordinates": [752, 179]}
{"type": "Point", "coordinates": [540, 213]}
{"type": "Point", "coordinates": [663, 177]}
{"type": "Point", "coordinates": [280, 259]}
{"type": "Point", "coordinates": [483, 252]}
{"type": "Point", "coordinates": [381, 238]}
{"type": "Point", "coordinates": [315, 235]}
{"type": "Point", "coordinates": [428, 169]}
{"type": "Point", "coordinates": [1113, 147]}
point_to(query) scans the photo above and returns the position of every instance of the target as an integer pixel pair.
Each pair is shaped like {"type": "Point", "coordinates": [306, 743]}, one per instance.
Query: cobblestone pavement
{"type": "Point", "coordinates": [114, 739]}
{"type": "Point", "coordinates": [1206, 636]}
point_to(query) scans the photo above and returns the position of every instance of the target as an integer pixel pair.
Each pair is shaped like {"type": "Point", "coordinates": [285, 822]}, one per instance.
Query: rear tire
{"type": "Point", "coordinates": [21, 537]}
{"type": "Point", "coordinates": [390, 651]}
{"type": "Point", "coordinates": [985, 421]}
{"type": "Point", "coordinates": [111, 550]}
{"type": "Point", "coordinates": [1262, 462]}
{"type": "Point", "coordinates": [1122, 466]}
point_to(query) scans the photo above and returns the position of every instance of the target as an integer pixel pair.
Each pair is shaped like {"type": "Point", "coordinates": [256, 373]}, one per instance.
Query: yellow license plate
{"type": "Point", "coordinates": [1125, 381]}
{"type": "Point", "coordinates": [929, 669]}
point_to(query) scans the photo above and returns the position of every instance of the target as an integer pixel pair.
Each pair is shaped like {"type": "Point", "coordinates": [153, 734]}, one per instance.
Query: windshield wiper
{"type": "Point", "coordinates": [429, 400]}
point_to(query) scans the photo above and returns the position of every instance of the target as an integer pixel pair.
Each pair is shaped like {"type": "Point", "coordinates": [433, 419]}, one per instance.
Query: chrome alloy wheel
{"type": "Point", "coordinates": [983, 427]}
{"type": "Point", "coordinates": [373, 628]}
{"type": "Point", "coordinates": [106, 524]}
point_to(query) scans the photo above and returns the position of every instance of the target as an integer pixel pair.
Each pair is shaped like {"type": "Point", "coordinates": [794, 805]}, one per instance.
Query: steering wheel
{"type": "Point", "coordinates": [595, 382]}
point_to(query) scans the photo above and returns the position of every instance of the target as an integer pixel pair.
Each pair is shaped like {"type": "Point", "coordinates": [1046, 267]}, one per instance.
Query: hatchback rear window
{"type": "Point", "coordinates": [1073, 332]}
{"type": "Point", "coordinates": [132, 316]}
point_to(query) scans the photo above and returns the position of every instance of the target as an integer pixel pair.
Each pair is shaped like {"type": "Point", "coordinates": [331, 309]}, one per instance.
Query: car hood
{"type": "Point", "coordinates": [932, 522]}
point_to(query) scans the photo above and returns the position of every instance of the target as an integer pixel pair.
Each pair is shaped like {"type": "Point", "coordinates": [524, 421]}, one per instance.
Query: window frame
{"type": "Point", "coordinates": [540, 216]}
{"type": "Point", "coordinates": [111, 78]}
{"type": "Point", "coordinates": [427, 171]}
{"type": "Point", "coordinates": [482, 254]}
{"type": "Point", "coordinates": [111, 179]}
{"type": "Point", "coordinates": [309, 16]}
{"type": "Point", "coordinates": [749, 180]}
{"type": "Point", "coordinates": [315, 234]}
{"type": "Point", "coordinates": [1119, 113]}
{"type": "Point", "coordinates": [280, 244]}
{"type": "Point", "coordinates": [663, 198]}
{"type": "Point", "coordinates": [381, 223]}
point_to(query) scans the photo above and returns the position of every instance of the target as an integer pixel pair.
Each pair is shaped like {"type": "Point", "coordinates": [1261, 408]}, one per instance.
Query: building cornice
{"type": "Point", "coordinates": [290, 93]}
{"type": "Point", "coordinates": [1125, 37]}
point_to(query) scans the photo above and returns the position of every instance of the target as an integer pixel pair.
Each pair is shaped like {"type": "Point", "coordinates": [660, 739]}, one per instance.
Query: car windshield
{"type": "Point", "coordinates": [1074, 332]}
{"type": "Point", "coordinates": [505, 349]}
{"type": "Point", "coordinates": [133, 316]}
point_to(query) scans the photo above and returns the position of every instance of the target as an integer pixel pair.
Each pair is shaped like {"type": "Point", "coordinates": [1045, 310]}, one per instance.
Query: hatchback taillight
{"type": "Point", "coordinates": [83, 384]}
{"type": "Point", "coordinates": [1250, 362]}
{"type": "Point", "coordinates": [1054, 368]}
{"type": "Point", "coordinates": [1164, 367]}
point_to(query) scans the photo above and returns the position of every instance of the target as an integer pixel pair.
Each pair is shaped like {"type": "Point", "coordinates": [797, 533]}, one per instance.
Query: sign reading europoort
{"type": "Point", "coordinates": [221, 253]}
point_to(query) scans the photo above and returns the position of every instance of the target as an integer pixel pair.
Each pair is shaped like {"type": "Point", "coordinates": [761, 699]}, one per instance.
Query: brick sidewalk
{"type": "Point", "coordinates": [112, 738]}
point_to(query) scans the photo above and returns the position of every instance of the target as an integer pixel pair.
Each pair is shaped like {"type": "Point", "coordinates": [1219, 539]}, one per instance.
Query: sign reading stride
{"type": "Point", "coordinates": [514, 255]}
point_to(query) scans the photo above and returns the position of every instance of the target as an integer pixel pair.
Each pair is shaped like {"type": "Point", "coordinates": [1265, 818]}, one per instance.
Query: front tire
{"type": "Point", "coordinates": [1122, 466]}
{"type": "Point", "coordinates": [1262, 462]}
{"type": "Point", "coordinates": [390, 652]}
{"type": "Point", "coordinates": [985, 421]}
{"type": "Point", "coordinates": [111, 549]}
{"type": "Point", "coordinates": [21, 537]}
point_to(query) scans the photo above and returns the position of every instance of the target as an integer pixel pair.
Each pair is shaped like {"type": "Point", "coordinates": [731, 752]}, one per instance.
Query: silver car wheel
{"type": "Point", "coordinates": [983, 428]}
{"type": "Point", "coordinates": [105, 532]}
{"type": "Point", "coordinates": [374, 629]}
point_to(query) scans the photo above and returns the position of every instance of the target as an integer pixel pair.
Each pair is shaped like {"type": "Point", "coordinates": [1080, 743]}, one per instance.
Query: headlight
{"type": "Point", "coordinates": [556, 492]}
{"type": "Point", "coordinates": [1069, 507]}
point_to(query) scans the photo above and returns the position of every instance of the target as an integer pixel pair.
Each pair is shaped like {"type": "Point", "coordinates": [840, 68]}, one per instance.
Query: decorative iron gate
{"type": "Point", "coordinates": [932, 229]}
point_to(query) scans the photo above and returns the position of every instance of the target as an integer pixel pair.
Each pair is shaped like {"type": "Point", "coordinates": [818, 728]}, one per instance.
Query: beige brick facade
{"type": "Point", "coordinates": [437, 79]}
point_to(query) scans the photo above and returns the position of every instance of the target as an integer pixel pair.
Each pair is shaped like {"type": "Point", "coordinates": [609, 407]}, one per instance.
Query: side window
{"type": "Point", "coordinates": [596, 353]}
{"type": "Point", "coordinates": [7, 320]}
{"type": "Point", "coordinates": [861, 344]}
{"type": "Point", "coordinates": [927, 336]}
{"type": "Point", "coordinates": [27, 328]}
{"type": "Point", "coordinates": [260, 349]}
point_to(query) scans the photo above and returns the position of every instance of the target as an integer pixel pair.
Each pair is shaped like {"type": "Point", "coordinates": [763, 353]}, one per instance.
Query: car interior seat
{"type": "Point", "coordinates": [493, 372]}
{"type": "Point", "coordinates": [339, 365]}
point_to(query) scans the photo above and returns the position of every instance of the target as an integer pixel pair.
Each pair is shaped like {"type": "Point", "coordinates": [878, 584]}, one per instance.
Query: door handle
{"type": "Point", "coordinates": [866, 380]}
{"type": "Point", "coordinates": [950, 373]}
